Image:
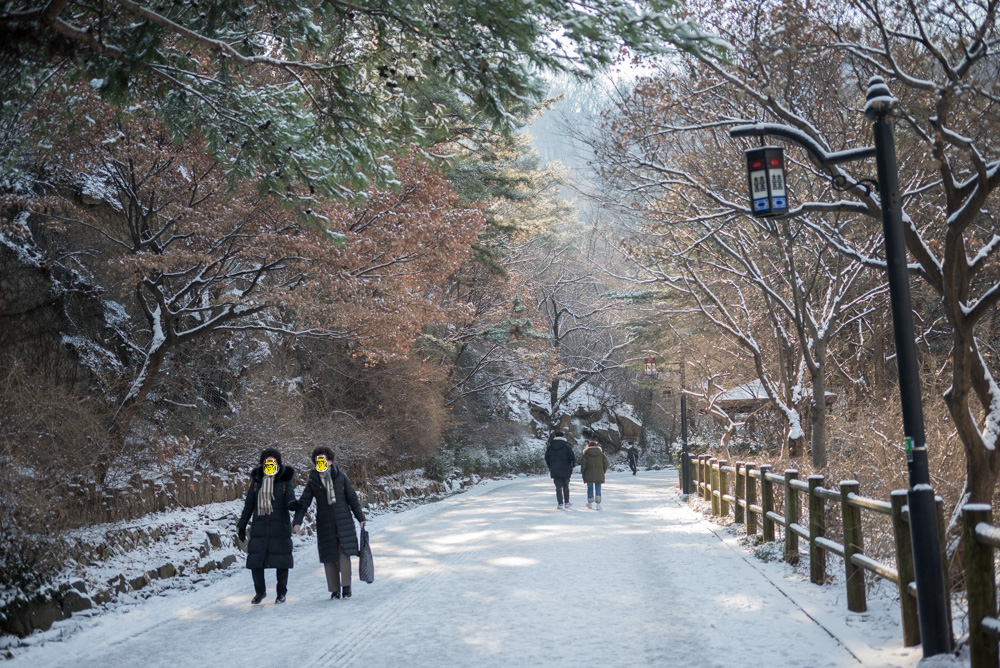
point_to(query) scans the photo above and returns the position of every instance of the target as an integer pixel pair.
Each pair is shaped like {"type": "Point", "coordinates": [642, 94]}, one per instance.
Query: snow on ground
{"type": "Point", "coordinates": [498, 577]}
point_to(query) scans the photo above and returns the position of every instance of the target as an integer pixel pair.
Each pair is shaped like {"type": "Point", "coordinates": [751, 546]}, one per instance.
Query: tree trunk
{"type": "Point", "coordinates": [142, 385]}
{"type": "Point", "coordinates": [982, 464]}
{"type": "Point", "coordinates": [795, 445]}
{"type": "Point", "coordinates": [819, 410]}
{"type": "Point", "coordinates": [553, 399]}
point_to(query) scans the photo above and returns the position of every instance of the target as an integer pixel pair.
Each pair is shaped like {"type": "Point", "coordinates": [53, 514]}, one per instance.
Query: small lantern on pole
{"type": "Point", "coordinates": [766, 172]}
{"type": "Point", "coordinates": [650, 367]}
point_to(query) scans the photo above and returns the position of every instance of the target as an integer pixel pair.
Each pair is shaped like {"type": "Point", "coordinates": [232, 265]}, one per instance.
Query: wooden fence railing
{"type": "Point", "coordinates": [981, 539]}
{"type": "Point", "coordinates": [736, 487]}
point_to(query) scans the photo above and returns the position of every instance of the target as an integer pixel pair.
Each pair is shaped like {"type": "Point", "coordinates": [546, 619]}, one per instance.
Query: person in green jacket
{"type": "Point", "coordinates": [593, 464]}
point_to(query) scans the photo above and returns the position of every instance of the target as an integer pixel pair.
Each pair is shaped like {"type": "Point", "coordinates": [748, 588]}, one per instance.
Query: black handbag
{"type": "Point", "coordinates": [366, 567]}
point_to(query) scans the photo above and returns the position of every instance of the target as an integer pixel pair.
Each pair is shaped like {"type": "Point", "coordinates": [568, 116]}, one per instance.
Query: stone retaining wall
{"type": "Point", "coordinates": [140, 497]}
{"type": "Point", "coordinates": [186, 490]}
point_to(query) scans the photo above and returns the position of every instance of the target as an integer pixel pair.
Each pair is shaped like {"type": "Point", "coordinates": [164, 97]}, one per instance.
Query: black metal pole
{"type": "Point", "coordinates": [932, 604]}
{"type": "Point", "coordinates": [685, 460]}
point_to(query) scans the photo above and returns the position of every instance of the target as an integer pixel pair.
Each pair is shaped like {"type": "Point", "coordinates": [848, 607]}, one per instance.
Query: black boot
{"type": "Point", "coordinates": [335, 594]}
{"type": "Point", "coordinates": [256, 599]}
{"type": "Point", "coordinates": [347, 592]}
{"type": "Point", "coordinates": [280, 599]}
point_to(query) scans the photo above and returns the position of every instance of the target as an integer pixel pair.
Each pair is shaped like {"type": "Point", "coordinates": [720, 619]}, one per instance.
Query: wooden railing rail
{"type": "Point", "coordinates": [725, 486]}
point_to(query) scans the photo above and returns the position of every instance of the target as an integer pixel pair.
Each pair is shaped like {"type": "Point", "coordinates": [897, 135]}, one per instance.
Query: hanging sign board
{"type": "Point", "coordinates": [766, 172]}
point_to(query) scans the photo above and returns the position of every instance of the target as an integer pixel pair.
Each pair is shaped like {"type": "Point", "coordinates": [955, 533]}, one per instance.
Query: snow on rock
{"type": "Point", "coordinates": [587, 410]}
{"type": "Point", "coordinates": [21, 243]}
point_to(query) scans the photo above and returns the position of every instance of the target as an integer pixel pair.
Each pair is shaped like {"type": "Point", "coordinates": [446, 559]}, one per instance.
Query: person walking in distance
{"type": "Point", "coordinates": [270, 498]}
{"type": "Point", "coordinates": [633, 458]}
{"type": "Point", "coordinates": [336, 537]}
{"type": "Point", "coordinates": [560, 459]}
{"type": "Point", "coordinates": [593, 464]}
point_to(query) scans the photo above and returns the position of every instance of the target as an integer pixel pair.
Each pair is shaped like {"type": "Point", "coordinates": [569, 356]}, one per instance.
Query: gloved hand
{"type": "Point", "coordinates": [242, 535]}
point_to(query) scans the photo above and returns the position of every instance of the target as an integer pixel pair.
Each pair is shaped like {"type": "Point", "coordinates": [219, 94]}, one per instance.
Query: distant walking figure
{"type": "Point", "coordinates": [633, 458]}
{"type": "Point", "coordinates": [560, 459]}
{"type": "Point", "coordinates": [269, 500]}
{"type": "Point", "coordinates": [593, 464]}
{"type": "Point", "coordinates": [336, 501]}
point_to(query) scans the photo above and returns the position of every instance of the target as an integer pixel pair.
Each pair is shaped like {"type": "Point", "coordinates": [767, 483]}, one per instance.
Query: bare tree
{"type": "Point", "coordinates": [807, 67]}
{"type": "Point", "coordinates": [774, 287]}
{"type": "Point", "coordinates": [582, 322]}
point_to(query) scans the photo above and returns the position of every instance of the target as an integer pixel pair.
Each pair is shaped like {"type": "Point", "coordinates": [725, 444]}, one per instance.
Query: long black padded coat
{"type": "Point", "coordinates": [559, 458]}
{"type": "Point", "coordinates": [333, 522]}
{"type": "Point", "coordinates": [270, 535]}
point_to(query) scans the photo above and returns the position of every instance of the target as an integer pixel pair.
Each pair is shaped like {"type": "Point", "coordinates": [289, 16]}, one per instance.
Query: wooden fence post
{"type": "Point", "coordinates": [723, 488]}
{"type": "Point", "coordinates": [702, 480]}
{"type": "Point", "coordinates": [713, 479]}
{"type": "Point", "coordinates": [766, 502]}
{"type": "Point", "coordinates": [817, 529]}
{"type": "Point", "coordinates": [904, 566]}
{"type": "Point", "coordinates": [740, 494]}
{"type": "Point", "coordinates": [710, 481]}
{"type": "Point", "coordinates": [791, 517]}
{"type": "Point", "coordinates": [751, 491]}
{"type": "Point", "coordinates": [980, 580]}
{"type": "Point", "coordinates": [853, 544]}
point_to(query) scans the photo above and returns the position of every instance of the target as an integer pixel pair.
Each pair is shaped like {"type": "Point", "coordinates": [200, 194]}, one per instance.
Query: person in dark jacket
{"type": "Point", "coordinates": [336, 500]}
{"type": "Point", "coordinates": [560, 459]}
{"type": "Point", "coordinates": [269, 500]}
{"type": "Point", "coordinates": [633, 458]}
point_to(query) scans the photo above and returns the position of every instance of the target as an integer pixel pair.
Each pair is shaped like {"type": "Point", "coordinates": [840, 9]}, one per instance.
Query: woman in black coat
{"type": "Point", "coordinates": [269, 500]}
{"type": "Point", "coordinates": [336, 538]}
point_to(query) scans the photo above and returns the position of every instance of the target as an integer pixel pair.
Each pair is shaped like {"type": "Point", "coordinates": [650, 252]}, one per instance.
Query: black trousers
{"type": "Point", "coordinates": [258, 581]}
{"type": "Point", "coordinates": [562, 489]}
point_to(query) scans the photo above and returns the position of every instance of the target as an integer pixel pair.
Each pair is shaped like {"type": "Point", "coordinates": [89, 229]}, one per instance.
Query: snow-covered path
{"type": "Point", "coordinates": [493, 577]}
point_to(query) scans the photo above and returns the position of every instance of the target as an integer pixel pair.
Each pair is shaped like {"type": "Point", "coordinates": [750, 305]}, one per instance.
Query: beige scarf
{"type": "Point", "coordinates": [328, 485]}
{"type": "Point", "coordinates": [265, 495]}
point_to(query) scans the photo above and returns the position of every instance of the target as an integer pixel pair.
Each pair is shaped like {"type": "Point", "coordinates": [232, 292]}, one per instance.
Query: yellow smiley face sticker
{"type": "Point", "coordinates": [321, 464]}
{"type": "Point", "coordinates": [270, 467]}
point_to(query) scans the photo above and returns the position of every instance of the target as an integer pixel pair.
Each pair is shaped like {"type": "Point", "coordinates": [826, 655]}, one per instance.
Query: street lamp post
{"type": "Point", "coordinates": [685, 459]}
{"type": "Point", "coordinates": [932, 603]}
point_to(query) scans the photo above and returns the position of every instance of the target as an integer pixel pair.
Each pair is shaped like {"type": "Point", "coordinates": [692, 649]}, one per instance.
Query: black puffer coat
{"type": "Point", "coordinates": [270, 535]}
{"type": "Point", "coordinates": [559, 458]}
{"type": "Point", "coordinates": [333, 523]}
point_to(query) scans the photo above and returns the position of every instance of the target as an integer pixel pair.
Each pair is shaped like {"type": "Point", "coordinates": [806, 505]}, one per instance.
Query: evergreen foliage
{"type": "Point", "coordinates": [298, 92]}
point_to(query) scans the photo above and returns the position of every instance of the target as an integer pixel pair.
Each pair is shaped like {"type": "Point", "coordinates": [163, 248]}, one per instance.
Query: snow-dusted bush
{"type": "Point", "coordinates": [51, 439]}
{"type": "Point", "coordinates": [440, 466]}
{"type": "Point", "coordinates": [773, 551]}
{"type": "Point", "coordinates": [484, 463]}
{"type": "Point", "coordinates": [473, 461]}
{"type": "Point", "coordinates": [524, 459]}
